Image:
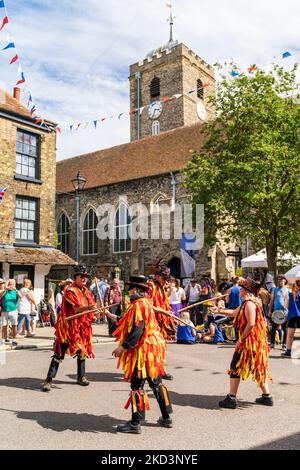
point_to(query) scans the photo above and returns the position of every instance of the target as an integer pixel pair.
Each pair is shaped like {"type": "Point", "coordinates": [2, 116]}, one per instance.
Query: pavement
{"type": "Point", "coordinates": [44, 338]}
{"type": "Point", "coordinates": [73, 417]}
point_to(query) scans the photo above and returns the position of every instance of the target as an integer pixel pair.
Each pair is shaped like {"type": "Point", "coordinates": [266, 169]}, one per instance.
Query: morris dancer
{"type": "Point", "coordinates": [75, 336]}
{"type": "Point", "coordinates": [158, 294]}
{"type": "Point", "coordinates": [252, 350]}
{"type": "Point", "coordinates": [142, 354]}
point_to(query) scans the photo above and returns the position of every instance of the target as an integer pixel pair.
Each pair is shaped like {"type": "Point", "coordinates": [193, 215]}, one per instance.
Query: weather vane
{"type": "Point", "coordinates": [171, 20]}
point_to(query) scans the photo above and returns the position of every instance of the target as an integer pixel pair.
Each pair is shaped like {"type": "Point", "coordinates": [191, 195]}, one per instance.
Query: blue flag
{"type": "Point", "coordinates": [95, 124]}
{"type": "Point", "coordinates": [286, 54]}
{"type": "Point", "coordinates": [9, 46]}
{"type": "Point", "coordinates": [2, 5]}
{"type": "Point", "coordinates": [234, 73]}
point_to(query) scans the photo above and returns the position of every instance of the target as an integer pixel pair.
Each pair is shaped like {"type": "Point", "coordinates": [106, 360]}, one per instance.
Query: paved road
{"type": "Point", "coordinates": [71, 417]}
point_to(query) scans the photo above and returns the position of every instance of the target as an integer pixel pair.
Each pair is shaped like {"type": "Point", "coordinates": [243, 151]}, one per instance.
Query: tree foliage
{"type": "Point", "coordinates": [247, 173]}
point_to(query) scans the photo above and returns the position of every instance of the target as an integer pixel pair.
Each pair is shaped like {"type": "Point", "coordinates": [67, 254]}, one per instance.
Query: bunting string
{"type": "Point", "coordinates": [14, 58]}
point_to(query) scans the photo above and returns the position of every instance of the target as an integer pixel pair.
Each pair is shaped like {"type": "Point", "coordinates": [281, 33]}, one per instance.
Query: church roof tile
{"type": "Point", "coordinates": [167, 152]}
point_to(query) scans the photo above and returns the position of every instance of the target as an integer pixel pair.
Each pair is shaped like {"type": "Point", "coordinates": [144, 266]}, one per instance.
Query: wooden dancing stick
{"type": "Point", "coordinates": [99, 293]}
{"type": "Point", "coordinates": [200, 303]}
{"type": "Point", "coordinates": [169, 314]}
{"type": "Point", "coordinates": [89, 312]}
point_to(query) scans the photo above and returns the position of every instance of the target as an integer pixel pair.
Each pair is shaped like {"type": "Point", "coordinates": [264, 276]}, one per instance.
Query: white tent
{"type": "Point", "coordinates": [290, 275]}
{"type": "Point", "coordinates": [259, 260]}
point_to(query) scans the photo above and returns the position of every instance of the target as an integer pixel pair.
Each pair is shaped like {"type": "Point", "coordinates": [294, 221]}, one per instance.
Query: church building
{"type": "Point", "coordinates": [169, 102]}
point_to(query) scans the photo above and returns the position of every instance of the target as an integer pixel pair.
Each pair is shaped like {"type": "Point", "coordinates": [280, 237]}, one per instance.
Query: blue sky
{"type": "Point", "coordinates": [75, 54]}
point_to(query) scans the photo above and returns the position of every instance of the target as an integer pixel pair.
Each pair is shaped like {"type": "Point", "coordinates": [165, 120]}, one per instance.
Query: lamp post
{"type": "Point", "coordinates": [78, 184]}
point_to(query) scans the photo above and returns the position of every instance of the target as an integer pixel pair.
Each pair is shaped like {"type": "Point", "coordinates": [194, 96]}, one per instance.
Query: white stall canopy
{"type": "Point", "coordinates": [259, 260]}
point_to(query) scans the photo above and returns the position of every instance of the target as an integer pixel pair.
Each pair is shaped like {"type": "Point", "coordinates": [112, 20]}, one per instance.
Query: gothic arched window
{"type": "Point", "coordinates": [200, 90]}
{"type": "Point", "coordinates": [63, 233]}
{"type": "Point", "coordinates": [90, 239]}
{"type": "Point", "coordinates": [122, 230]}
{"type": "Point", "coordinates": [155, 128]}
{"type": "Point", "coordinates": [155, 88]}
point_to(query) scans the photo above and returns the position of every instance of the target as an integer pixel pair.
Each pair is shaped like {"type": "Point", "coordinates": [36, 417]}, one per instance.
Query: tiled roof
{"type": "Point", "coordinates": [34, 256]}
{"type": "Point", "coordinates": [167, 152]}
{"type": "Point", "coordinates": [11, 104]}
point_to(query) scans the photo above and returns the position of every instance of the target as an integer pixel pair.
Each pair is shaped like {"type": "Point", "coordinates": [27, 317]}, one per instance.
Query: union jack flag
{"type": "Point", "coordinates": [2, 193]}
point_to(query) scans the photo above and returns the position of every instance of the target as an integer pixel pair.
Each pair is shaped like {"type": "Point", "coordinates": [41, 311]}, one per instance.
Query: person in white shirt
{"type": "Point", "coordinates": [176, 296]}
{"type": "Point", "coordinates": [193, 293]}
{"type": "Point", "coordinates": [25, 304]}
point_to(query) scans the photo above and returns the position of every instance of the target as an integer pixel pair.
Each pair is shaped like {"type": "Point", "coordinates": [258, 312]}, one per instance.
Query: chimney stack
{"type": "Point", "coordinates": [17, 93]}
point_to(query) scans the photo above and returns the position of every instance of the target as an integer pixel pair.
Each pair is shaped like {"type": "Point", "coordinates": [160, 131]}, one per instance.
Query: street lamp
{"type": "Point", "coordinates": [78, 184]}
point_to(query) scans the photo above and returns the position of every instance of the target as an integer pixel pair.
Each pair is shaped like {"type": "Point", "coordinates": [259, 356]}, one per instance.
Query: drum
{"type": "Point", "coordinates": [279, 317]}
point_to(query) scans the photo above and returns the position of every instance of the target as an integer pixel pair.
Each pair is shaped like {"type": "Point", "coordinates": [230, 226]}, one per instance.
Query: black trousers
{"type": "Point", "coordinates": [112, 326]}
{"type": "Point", "coordinates": [160, 393]}
{"type": "Point", "coordinates": [274, 327]}
{"type": "Point", "coordinates": [58, 358]}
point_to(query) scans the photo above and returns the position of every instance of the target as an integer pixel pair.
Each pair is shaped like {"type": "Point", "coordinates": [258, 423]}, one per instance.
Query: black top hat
{"type": "Point", "coordinates": [80, 270]}
{"type": "Point", "coordinates": [138, 281]}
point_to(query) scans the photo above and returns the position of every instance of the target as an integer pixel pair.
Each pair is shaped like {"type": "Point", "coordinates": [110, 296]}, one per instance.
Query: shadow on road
{"type": "Point", "coordinates": [291, 442]}
{"type": "Point", "coordinates": [100, 377]}
{"type": "Point", "coordinates": [60, 422]}
{"type": "Point", "coordinates": [28, 383]}
{"type": "Point", "coordinates": [207, 402]}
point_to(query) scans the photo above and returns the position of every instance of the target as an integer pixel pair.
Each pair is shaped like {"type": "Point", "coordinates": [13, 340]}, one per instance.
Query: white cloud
{"type": "Point", "coordinates": [76, 55]}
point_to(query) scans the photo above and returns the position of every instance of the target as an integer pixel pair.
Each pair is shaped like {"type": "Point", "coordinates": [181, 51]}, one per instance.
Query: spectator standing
{"type": "Point", "coordinates": [293, 316]}
{"type": "Point", "coordinates": [59, 296]}
{"type": "Point", "coordinates": [193, 293]}
{"type": "Point", "coordinates": [279, 301]}
{"type": "Point", "coordinates": [176, 297]}
{"type": "Point", "coordinates": [224, 285]}
{"type": "Point", "coordinates": [113, 295]}
{"type": "Point", "coordinates": [26, 301]}
{"type": "Point", "coordinates": [234, 299]}
{"type": "Point", "coordinates": [10, 297]}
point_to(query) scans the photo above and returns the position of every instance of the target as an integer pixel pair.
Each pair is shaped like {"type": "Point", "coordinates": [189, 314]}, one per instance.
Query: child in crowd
{"type": "Point", "coordinates": [186, 334]}
{"type": "Point", "coordinates": [213, 333]}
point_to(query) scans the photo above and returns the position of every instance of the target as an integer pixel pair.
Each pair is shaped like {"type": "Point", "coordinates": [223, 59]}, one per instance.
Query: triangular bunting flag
{"type": "Point", "coordinates": [286, 54]}
{"type": "Point", "coordinates": [14, 59]}
{"type": "Point", "coordinates": [95, 124]}
{"type": "Point", "coordinates": [11, 45]}
{"type": "Point", "coordinates": [234, 73]}
{"type": "Point", "coordinates": [4, 22]}
{"type": "Point", "coordinates": [2, 5]}
{"type": "Point", "coordinates": [21, 80]}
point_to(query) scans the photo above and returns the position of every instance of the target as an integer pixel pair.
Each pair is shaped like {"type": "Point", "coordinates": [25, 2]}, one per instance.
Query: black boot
{"type": "Point", "coordinates": [129, 427]}
{"type": "Point", "coordinates": [165, 422]}
{"type": "Point", "coordinates": [228, 402]}
{"type": "Point", "coordinates": [266, 400]}
{"type": "Point", "coordinates": [47, 385]}
{"type": "Point", "coordinates": [83, 381]}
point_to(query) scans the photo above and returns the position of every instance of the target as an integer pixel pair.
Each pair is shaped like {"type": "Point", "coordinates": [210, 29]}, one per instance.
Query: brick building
{"type": "Point", "coordinates": [147, 170]}
{"type": "Point", "coordinates": [27, 212]}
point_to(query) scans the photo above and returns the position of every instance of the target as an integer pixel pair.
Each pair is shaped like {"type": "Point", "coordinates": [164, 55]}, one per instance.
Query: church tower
{"type": "Point", "coordinates": [169, 71]}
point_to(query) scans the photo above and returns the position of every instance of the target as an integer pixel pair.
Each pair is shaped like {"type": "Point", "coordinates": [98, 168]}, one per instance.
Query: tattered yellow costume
{"type": "Point", "coordinates": [149, 355]}
{"type": "Point", "coordinates": [254, 350]}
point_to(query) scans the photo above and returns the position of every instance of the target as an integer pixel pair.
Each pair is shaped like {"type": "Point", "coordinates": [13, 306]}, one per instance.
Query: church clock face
{"type": "Point", "coordinates": [201, 111]}
{"type": "Point", "coordinates": [155, 109]}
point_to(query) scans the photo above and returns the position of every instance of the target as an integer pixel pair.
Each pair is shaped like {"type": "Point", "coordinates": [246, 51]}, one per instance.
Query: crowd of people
{"type": "Point", "coordinates": [157, 311]}
{"type": "Point", "coordinates": [18, 310]}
